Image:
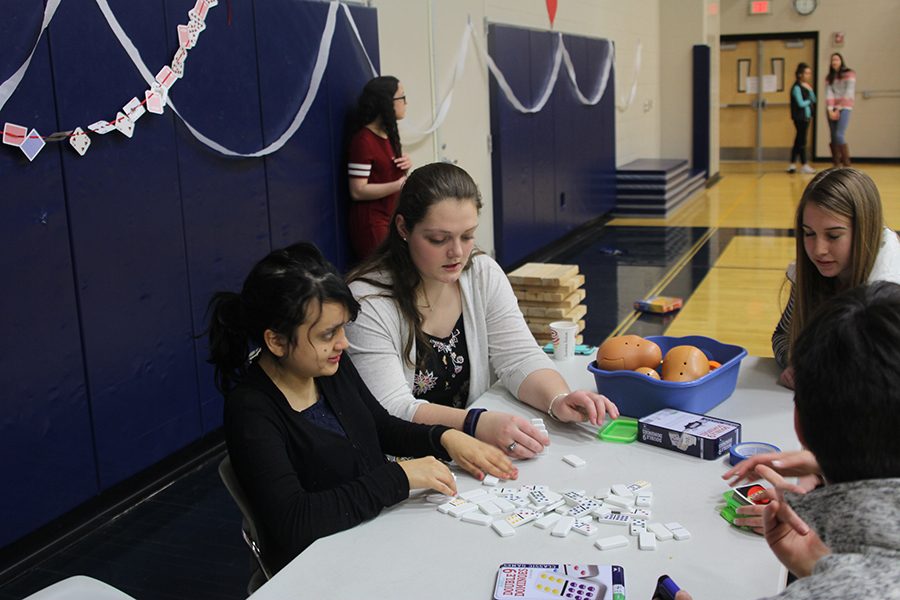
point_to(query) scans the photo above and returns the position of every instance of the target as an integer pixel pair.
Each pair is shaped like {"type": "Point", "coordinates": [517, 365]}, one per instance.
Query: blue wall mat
{"type": "Point", "coordinates": [128, 244]}
{"type": "Point", "coordinates": [226, 220]}
{"type": "Point", "coordinates": [543, 228]}
{"type": "Point", "coordinates": [114, 256]}
{"type": "Point", "coordinates": [301, 181]}
{"type": "Point", "coordinates": [551, 169]}
{"type": "Point", "coordinates": [344, 85]}
{"type": "Point", "coordinates": [601, 133]}
{"type": "Point", "coordinates": [700, 109]}
{"type": "Point", "coordinates": [46, 448]}
{"type": "Point", "coordinates": [512, 138]}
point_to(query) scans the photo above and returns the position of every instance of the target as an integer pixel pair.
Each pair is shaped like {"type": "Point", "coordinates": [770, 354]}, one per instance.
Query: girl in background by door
{"type": "Point", "coordinates": [840, 89]}
{"type": "Point", "coordinates": [803, 101]}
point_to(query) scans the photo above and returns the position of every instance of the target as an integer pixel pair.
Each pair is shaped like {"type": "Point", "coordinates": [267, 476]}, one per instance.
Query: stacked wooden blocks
{"type": "Point", "coordinates": [549, 292]}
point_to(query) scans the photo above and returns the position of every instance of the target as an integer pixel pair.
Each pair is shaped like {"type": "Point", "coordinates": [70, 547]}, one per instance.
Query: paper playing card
{"type": "Point", "coordinates": [80, 141]}
{"type": "Point", "coordinates": [32, 145]}
{"type": "Point", "coordinates": [185, 39]}
{"type": "Point", "coordinates": [134, 109]}
{"type": "Point", "coordinates": [124, 124]}
{"type": "Point", "coordinates": [156, 101]}
{"type": "Point", "coordinates": [58, 136]}
{"type": "Point", "coordinates": [14, 134]}
{"type": "Point", "coordinates": [195, 28]}
{"type": "Point", "coordinates": [166, 77]}
{"type": "Point", "coordinates": [200, 24]}
{"type": "Point", "coordinates": [200, 9]}
{"type": "Point", "coordinates": [178, 62]}
{"type": "Point", "coordinates": [101, 127]}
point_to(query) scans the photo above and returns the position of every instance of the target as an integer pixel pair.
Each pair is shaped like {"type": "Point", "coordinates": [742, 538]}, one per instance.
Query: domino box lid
{"type": "Point", "coordinates": [531, 581]}
{"type": "Point", "coordinates": [689, 433]}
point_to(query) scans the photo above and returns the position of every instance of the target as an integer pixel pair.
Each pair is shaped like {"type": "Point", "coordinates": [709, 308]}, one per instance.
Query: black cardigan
{"type": "Point", "coordinates": [305, 482]}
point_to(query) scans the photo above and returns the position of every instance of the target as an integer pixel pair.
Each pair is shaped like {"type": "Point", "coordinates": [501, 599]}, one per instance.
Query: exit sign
{"type": "Point", "coordinates": [760, 7]}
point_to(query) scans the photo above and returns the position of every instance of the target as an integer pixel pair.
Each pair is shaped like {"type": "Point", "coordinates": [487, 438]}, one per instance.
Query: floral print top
{"type": "Point", "coordinates": [442, 374]}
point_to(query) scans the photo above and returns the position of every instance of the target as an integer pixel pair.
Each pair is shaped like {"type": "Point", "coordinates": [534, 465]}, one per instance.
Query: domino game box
{"type": "Point", "coordinates": [552, 580]}
{"type": "Point", "coordinates": [689, 433]}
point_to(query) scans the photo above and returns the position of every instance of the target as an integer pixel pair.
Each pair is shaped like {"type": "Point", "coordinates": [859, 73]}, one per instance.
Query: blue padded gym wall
{"type": "Point", "coordinates": [110, 259]}
{"type": "Point", "coordinates": [553, 170]}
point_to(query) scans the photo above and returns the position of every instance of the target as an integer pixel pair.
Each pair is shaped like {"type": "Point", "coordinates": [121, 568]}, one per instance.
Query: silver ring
{"type": "Point", "coordinates": [512, 446]}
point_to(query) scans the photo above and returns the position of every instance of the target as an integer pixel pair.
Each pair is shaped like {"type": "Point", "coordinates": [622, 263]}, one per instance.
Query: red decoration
{"type": "Point", "coordinates": [551, 10]}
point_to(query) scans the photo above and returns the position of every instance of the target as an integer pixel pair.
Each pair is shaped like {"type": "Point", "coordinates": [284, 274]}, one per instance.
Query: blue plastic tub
{"type": "Point", "coordinates": [637, 395]}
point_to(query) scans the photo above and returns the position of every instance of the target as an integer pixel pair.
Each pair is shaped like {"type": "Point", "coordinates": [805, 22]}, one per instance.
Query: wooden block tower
{"type": "Point", "coordinates": [549, 292]}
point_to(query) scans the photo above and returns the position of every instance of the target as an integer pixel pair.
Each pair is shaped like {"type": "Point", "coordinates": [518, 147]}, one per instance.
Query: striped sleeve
{"type": "Point", "coordinates": [357, 169]}
{"type": "Point", "coordinates": [781, 342]}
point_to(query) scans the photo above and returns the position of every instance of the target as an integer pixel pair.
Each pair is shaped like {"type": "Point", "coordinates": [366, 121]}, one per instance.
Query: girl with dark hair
{"type": "Point", "coordinates": [841, 243]}
{"type": "Point", "coordinates": [439, 323]}
{"type": "Point", "coordinates": [376, 164]}
{"type": "Point", "coordinates": [803, 100]}
{"type": "Point", "coordinates": [840, 89]}
{"type": "Point", "coordinates": [306, 438]}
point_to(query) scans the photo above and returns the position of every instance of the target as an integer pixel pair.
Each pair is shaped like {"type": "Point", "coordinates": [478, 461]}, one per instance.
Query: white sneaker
{"type": "Point", "coordinates": [807, 169]}
{"type": "Point", "coordinates": [791, 168]}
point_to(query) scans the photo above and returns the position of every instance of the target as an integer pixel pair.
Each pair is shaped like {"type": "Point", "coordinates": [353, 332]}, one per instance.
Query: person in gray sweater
{"type": "Point", "coordinates": [842, 540]}
{"type": "Point", "coordinates": [439, 324]}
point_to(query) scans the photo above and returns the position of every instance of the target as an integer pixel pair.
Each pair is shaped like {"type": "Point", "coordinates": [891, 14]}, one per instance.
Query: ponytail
{"type": "Point", "coordinates": [228, 339]}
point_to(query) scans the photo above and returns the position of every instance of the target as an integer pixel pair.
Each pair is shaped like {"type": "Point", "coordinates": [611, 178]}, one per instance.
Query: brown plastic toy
{"type": "Point", "coordinates": [628, 352]}
{"type": "Point", "coordinates": [649, 372]}
{"type": "Point", "coordinates": [684, 363]}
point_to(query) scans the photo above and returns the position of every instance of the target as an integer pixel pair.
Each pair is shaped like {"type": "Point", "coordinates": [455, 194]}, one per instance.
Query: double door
{"type": "Point", "coordinates": [756, 75]}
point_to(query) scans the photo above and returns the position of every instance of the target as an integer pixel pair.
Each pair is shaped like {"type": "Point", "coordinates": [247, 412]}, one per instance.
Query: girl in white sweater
{"type": "Point", "coordinates": [439, 323]}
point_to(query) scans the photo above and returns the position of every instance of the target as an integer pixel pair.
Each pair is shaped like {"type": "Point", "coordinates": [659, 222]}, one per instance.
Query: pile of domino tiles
{"type": "Point", "coordinates": [506, 509]}
{"type": "Point", "coordinates": [549, 292]}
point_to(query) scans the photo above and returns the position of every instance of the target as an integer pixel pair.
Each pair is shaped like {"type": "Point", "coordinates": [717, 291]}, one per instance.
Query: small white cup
{"type": "Point", "coordinates": [562, 334]}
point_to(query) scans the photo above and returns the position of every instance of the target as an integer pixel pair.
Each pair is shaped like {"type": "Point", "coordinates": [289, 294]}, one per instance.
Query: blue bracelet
{"type": "Point", "coordinates": [471, 421]}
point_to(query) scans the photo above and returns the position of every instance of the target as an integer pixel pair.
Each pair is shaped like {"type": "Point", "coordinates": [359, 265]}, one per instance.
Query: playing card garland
{"type": "Point", "coordinates": [154, 100]}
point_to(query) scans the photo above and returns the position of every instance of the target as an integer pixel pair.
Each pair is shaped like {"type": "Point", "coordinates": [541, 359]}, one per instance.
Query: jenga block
{"type": "Point", "coordinates": [549, 294]}
{"type": "Point", "coordinates": [552, 309]}
{"type": "Point", "coordinates": [572, 315]}
{"type": "Point", "coordinates": [543, 274]}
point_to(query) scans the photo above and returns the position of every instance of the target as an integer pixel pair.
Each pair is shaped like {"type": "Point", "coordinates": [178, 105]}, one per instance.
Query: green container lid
{"type": "Point", "coordinates": [623, 430]}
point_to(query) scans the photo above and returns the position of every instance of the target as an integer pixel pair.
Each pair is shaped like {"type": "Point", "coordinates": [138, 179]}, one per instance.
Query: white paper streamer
{"type": "Point", "coordinates": [8, 87]}
{"type": "Point", "coordinates": [362, 46]}
{"type": "Point", "coordinates": [604, 76]}
{"type": "Point", "coordinates": [634, 82]}
{"type": "Point", "coordinates": [507, 90]}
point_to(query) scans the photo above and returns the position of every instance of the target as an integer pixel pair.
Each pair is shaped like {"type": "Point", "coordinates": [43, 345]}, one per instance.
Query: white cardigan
{"type": "Point", "coordinates": [497, 338]}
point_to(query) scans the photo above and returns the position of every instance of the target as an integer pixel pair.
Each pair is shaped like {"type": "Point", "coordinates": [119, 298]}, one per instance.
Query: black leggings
{"type": "Point", "coordinates": [799, 149]}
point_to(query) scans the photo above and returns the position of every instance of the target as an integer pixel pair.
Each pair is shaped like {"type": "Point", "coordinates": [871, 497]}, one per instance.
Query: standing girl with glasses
{"type": "Point", "coordinates": [376, 164]}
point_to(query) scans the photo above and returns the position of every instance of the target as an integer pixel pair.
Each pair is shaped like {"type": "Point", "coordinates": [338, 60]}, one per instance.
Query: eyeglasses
{"type": "Point", "coordinates": [399, 98]}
